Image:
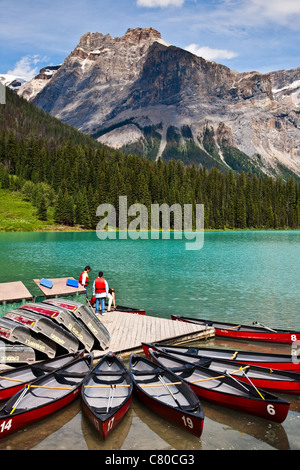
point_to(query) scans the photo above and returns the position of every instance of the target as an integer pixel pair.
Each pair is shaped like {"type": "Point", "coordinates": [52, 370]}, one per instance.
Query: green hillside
{"type": "Point", "coordinates": [63, 175]}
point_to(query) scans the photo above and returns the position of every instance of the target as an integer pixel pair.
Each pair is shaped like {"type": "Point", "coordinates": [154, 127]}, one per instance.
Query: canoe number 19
{"type": "Point", "coordinates": [188, 422]}
{"type": "Point", "coordinates": [6, 425]}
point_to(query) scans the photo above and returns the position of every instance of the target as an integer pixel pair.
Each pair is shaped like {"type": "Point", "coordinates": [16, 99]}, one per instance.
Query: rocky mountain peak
{"type": "Point", "coordinates": [140, 94]}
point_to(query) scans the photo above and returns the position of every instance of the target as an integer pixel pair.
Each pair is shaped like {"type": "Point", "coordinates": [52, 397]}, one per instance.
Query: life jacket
{"type": "Point", "coordinates": [100, 287]}
{"type": "Point", "coordinates": [86, 279]}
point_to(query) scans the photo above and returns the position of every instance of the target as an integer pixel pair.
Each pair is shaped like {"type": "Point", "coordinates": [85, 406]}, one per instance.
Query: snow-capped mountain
{"type": "Point", "coordinates": [143, 95]}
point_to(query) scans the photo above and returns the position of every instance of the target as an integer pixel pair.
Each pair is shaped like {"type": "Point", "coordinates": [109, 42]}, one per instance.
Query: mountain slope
{"type": "Point", "coordinates": [142, 95]}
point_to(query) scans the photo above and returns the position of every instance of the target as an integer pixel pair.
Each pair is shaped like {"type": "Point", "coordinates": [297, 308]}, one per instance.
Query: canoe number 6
{"type": "Point", "coordinates": [5, 426]}
{"type": "Point", "coordinates": [188, 422]}
{"type": "Point", "coordinates": [271, 409]}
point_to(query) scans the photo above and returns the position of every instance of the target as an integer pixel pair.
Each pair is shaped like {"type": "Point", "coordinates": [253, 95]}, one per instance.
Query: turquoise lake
{"type": "Point", "coordinates": [237, 276]}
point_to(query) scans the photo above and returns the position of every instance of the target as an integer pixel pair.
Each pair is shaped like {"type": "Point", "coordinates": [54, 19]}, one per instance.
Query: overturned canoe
{"type": "Point", "coordinates": [44, 396]}
{"type": "Point", "coordinates": [87, 316]}
{"type": "Point", "coordinates": [261, 377]}
{"type": "Point", "coordinates": [224, 389]}
{"type": "Point", "coordinates": [13, 380]}
{"type": "Point", "coordinates": [16, 354]}
{"type": "Point", "coordinates": [16, 333]}
{"type": "Point", "coordinates": [273, 361]}
{"type": "Point", "coordinates": [106, 394]}
{"type": "Point", "coordinates": [45, 327]}
{"type": "Point", "coordinates": [63, 317]}
{"type": "Point", "coordinates": [163, 392]}
{"type": "Point", "coordinates": [256, 332]}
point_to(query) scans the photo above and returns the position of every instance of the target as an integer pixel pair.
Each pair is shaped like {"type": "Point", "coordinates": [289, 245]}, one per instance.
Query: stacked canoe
{"type": "Point", "coordinates": [49, 329]}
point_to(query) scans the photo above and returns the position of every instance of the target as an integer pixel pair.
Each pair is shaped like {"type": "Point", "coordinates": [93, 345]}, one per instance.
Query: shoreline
{"type": "Point", "coordinates": [81, 230]}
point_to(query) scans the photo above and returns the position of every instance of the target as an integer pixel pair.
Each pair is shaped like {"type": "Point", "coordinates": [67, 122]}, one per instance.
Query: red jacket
{"type": "Point", "coordinates": [100, 286]}
{"type": "Point", "coordinates": [86, 279]}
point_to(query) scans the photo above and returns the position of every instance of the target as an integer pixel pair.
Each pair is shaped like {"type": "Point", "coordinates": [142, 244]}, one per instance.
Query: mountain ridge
{"type": "Point", "coordinates": [145, 96]}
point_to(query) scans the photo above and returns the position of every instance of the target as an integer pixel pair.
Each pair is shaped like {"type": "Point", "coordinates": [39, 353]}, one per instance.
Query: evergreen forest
{"type": "Point", "coordinates": [68, 174]}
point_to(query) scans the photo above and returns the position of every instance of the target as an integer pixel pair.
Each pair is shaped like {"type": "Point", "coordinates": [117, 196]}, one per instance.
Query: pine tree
{"type": "Point", "coordinates": [42, 209]}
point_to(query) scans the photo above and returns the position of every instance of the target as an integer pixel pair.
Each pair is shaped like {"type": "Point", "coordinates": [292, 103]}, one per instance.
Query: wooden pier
{"type": "Point", "coordinates": [128, 331]}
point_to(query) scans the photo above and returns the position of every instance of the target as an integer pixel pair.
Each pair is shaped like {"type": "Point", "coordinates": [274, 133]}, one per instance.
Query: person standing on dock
{"type": "Point", "coordinates": [84, 277]}
{"type": "Point", "coordinates": [100, 291]}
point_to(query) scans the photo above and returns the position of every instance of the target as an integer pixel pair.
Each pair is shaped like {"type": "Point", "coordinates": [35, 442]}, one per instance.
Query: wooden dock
{"type": "Point", "coordinates": [128, 331]}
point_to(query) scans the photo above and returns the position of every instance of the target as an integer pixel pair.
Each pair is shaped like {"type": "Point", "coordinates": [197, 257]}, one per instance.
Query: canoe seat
{"type": "Point", "coordinates": [185, 367]}
{"type": "Point", "coordinates": [191, 408]}
{"type": "Point", "coordinates": [42, 368]}
{"type": "Point", "coordinates": [74, 375]}
{"type": "Point", "coordinates": [107, 373]}
{"type": "Point", "coordinates": [157, 370]}
{"type": "Point", "coordinates": [103, 409]}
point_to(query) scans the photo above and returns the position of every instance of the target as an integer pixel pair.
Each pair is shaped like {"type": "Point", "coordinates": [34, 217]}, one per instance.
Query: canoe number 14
{"type": "Point", "coordinates": [6, 425]}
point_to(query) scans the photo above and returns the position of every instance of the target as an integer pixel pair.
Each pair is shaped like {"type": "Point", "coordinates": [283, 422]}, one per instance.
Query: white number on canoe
{"type": "Point", "coordinates": [6, 425]}
{"type": "Point", "coordinates": [110, 423]}
{"type": "Point", "coordinates": [188, 422]}
{"type": "Point", "coordinates": [293, 337]}
{"type": "Point", "coordinates": [271, 409]}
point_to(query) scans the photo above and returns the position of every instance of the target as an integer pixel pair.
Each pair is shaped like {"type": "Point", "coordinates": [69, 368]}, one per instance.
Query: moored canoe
{"type": "Point", "coordinates": [162, 391]}
{"type": "Point", "coordinates": [44, 396]}
{"type": "Point", "coordinates": [106, 394]}
{"type": "Point", "coordinates": [223, 389]}
{"type": "Point", "coordinates": [274, 361]}
{"type": "Point", "coordinates": [256, 332]}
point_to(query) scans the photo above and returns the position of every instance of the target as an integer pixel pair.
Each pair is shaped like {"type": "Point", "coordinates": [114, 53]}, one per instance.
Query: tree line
{"type": "Point", "coordinates": [69, 175]}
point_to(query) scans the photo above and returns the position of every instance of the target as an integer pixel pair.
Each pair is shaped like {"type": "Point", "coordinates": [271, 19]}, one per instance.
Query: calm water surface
{"type": "Point", "coordinates": [236, 276]}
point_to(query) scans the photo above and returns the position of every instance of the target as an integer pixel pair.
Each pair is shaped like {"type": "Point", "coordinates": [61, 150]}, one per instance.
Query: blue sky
{"type": "Point", "coordinates": [245, 35]}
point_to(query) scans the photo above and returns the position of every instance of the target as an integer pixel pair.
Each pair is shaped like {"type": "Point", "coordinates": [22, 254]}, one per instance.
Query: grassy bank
{"type": "Point", "coordinates": [17, 215]}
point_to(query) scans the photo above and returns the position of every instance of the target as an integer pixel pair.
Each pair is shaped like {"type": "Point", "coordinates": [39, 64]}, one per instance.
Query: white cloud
{"type": "Point", "coordinates": [160, 3]}
{"type": "Point", "coordinates": [278, 10]}
{"type": "Point", "coordinates": [27, 67]}
{"type": "Point", "coordinates": [210, 54]}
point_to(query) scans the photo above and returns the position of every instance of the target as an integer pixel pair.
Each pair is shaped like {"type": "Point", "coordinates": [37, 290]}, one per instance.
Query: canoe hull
{"type": "Point", "coordinates": [262, 377]}
{"type": "Point", "coordinates": [271, 361]}
{"type": "Point", "coordinates": [106, 394]}
{"type": "Point", "coordinates": [13, 423]}
{"type": "Point", "coordinates": [167, 396]}
{"type": "Point", "coordinates": [253, 333]}
{"type": "Point", "coordinates": [255, 402]}
{"type": "Point", "coordinates": [32, 403]}
{"type": "Point", "coordinates": [9, 392]}
{"type": "Point", "coordinates": [189, 423]}
{"type": "Point", "coordinates": [272, 411]}
{"type": "Point", "coordinates": [105, 427]}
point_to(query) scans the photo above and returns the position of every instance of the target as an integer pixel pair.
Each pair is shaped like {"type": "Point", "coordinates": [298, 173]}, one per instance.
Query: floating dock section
{"type": "Point", "coordinates": [129, 331]}
{"type": "Point", "coordinates": [122, 331]}
{"type": "Point", "coordinates": [59, 288]}
{"type": "Point", "coordinates": [14, 292]}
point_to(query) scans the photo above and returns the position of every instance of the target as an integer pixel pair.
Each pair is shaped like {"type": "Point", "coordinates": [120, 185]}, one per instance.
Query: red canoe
{"type": "Point", "coordinates": [161, 391]}
{"type": "Point", "coordinates": [272, 361]}
{"type": "Point", "coordinates": [255, 332]}
{"type": "Point", "coordinates": [106, 394]}
{"type": "Point", "coordinates": [223, 389]}
{"type": "Point", "coordinates": [44, 396]}
{"type": "Point", "coordinates": [13, 380]}
{"type": "Point", "coordinates": [261, 377]}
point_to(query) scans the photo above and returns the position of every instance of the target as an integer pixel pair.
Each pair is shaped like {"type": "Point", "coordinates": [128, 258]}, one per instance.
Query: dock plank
{"type": "Point", "coordinates": [14, 291]}
{"type": "Point", "coordinates": [128, 331]}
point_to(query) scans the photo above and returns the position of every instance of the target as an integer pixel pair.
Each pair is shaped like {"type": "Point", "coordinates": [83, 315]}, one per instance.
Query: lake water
{"type": "Point", "coordinates": [236, 276]}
